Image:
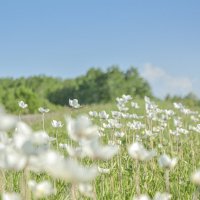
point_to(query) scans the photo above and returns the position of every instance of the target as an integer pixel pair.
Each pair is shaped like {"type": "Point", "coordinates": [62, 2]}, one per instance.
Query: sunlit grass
{"type": "Point", "coordinates": [121, 183]}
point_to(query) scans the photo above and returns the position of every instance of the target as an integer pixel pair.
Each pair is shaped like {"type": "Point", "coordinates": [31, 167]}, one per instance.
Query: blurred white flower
{"type": "Point", "coordinates": [166, 162]}
{"type": "Point", "coordinates": [6, 121]}
{"type": "Point", "coordinates": [11, 196]}
{"type": "Point", "coordinates": [72, 151]}
{"type": "Point", "coordinates": [95, 150]}
{"type": "Point", "coordinates": [86, 189]}
{"type": "Point", "coordinates": [134, 105]}
{"type": "Point", "coordinates": [22, 104]}
{"type": "Point", "coordinates": [43, 110]}
{"type": "Point", "coordinates": [93, 114]}
{"type": "Point", "coordinates": [162, 196]}
{"type": "Point", "coordinates": [74, 103]}
{"type": "Point", "coordinates": [42, 189]}
{"type": "Point", "coordinates": [119, 134]}
{"type": "Point", "coordinates": [195, 178]}
{"type": "Point", "coordinates": [4, 139]}
{"type": "Point", "coordinates": [56, 124]}
{"type": "Point", "coordinates": [28, 142]}
{"type": "Point", "coordinates": [114, 123]}
{"type": "Point", "coordinates": [126, 97]}
{"type": "Point", "coordinates": [136, 125]}
{"type": "Point", "coordinates": [81, 128]}
{"type": "Point", "coordinates": [142, 197]}
{"type": "Point", "coordinates": [138, 152]}
{"type": "Point", "coordinates": [67, 169]}
{"type": "Point", "coordinates": [103, 115]}
{"type": "Point", "coordinates": [122, 108]}
{"type": "Point", "coordinates": [178, 105]}
{"type": "Point", "coordinates": [12, 159]}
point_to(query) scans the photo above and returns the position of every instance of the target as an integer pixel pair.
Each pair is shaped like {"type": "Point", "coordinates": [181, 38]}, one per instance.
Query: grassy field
{"type": "Point", "coordinates": [170, 133]}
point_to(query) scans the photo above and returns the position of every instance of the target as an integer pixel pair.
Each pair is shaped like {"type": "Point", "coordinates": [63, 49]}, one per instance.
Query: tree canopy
{"type": "Point", "coordinates": [96, 86]}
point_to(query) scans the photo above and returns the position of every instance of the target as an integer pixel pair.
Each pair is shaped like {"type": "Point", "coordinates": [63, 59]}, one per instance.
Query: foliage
{"type": "Point", "coordinates": [190, 99]}
{"type": "Point", "coordinates": [28, 90]}
{"type": "Point", "coordinates": [96, 86]}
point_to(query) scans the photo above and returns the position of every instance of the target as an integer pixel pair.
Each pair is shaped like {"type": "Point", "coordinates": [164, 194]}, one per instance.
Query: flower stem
{"type": "Point", "coordinates": [24, 185]}
{"type": "Point", "coordinates": [43, 122]}
{"type": "Point", "coordinates": [167, 181]}
{"type": "Point", "coordinates": [137, 178]}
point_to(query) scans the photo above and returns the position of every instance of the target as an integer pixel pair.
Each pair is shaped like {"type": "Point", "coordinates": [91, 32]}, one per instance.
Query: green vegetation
{"type": "Point", "coordinates": [96, 86]}
{"type": "Point", "coordinates": [125, 172]}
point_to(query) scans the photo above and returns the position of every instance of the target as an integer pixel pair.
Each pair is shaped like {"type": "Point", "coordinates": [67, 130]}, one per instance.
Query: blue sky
{"type": "Point", "coordinates": [64, 38]}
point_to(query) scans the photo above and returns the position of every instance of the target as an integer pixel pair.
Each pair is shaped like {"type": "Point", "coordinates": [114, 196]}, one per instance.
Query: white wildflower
{"type": "Point", "coordinates": [22, 104]}
{"type": "Point", "coordinates": [119, 134]}
{"type": "Point", "coordinates": [74, 103]}
{"type": "Point", "coordinates": [11, 196]}
{"type": "Point", "coordinates": [138, 152]}
{"type": "Point", "coordinates": [56, 124]}
{"type": "Point", "coordinates": [195, 178]}
{"type": "Point", "coordinates": [95, 150]}
{"type": "Point", "coordinates": [43, 110]}
{"type": "Point", "coordinates": [81, 128]}
{"type": "Point", "coordinates": [6, 121]}
{"type": "Point", "coordinates": [142, 197]}
{"type": "Point", "coordinates": [86, 189]}
{"type": "Point", "coordinates": [162, 196]}
{"type": "Point", "coordinates": [166, 162]}
{"type": "Point", "coordinates": [93, 114]}
{"type": "Point", "coordinates": [42, 189]}
{"type": "Point", "coordinates": [67, 169]}
{"type": "Point", "coordinates": [103, 115]}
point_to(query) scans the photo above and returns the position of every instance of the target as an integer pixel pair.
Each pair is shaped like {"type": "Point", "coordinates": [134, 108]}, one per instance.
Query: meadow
{"type": "Point", "coordinates": [129, 149]}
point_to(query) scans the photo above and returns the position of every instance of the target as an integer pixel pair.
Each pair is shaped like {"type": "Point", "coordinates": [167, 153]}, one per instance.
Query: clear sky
{"type": "Point", "coordinates": [66, 37]}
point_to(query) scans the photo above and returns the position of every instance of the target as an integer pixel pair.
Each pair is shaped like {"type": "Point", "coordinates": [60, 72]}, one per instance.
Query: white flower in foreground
{"type": "Point", "coordinates": [42, 189]}
{"type": "Point", "coordinates": [81, 128]}
{"type": "Point", "coordinates": [56, 124]}
{"type": "Point", "coordinates": [195, 178]}
{"type": "Point", "coordinates": [11, 196]}
{"type": "Point", "coordinates": [142, 197]}
{"type": "Point", "coordinates": [95, 150]}
{"type": "Point", "coordinates": [74, 103]}
{"type": "Point", "coordinates": [22, 104]}
{"type": "Point", "coordinates": [4, 139]}
{"type": "Point", "coordinates": [72, 151]}
{"type": "Point", "coordinates": [138, 152]}
{"type": "Point", "coordinates": [6, 121]}
{"type": "Point", "coordinates": [43, 110]}
{"type": "Point", "coordinates": [162, 196]}
{"type": "Point", "coordinates": [166, 162]}
{"type": "Point", "coordinates": [12, 159]}
{"type": "Point", "coordinates": [67, 169]}
{"type": "Point", "coordinates": [28, 142]}
{"type": "Point", "coordinates": [86, 189]}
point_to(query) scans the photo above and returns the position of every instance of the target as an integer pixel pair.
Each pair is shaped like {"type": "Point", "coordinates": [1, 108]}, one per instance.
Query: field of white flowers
{"type": "Point", "coordinates": [131, 150]}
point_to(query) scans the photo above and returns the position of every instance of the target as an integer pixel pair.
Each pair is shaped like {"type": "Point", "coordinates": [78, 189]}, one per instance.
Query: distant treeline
{"type": "Point", "coordinates": [97, 86]}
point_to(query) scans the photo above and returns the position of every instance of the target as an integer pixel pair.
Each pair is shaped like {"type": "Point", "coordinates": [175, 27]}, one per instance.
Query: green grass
{"type": "Point", "coordinates": [120, 183]}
